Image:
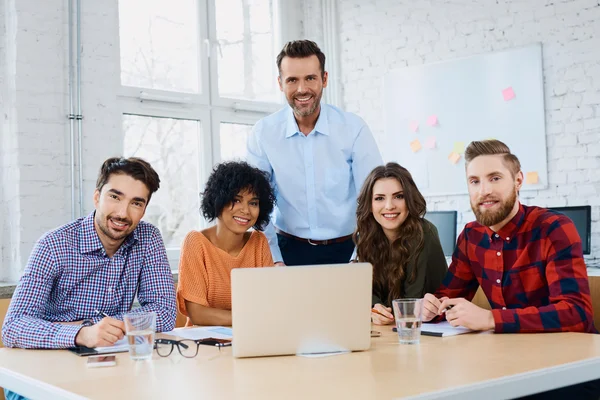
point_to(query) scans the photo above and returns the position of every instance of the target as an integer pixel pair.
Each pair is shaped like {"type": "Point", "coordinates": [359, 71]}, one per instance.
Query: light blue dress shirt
{"type": "Point", "coordinates": [316, 177]}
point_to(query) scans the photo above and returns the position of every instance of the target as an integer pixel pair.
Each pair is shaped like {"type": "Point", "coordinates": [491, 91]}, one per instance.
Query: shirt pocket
{"type": "Point", "coordinates": [337, 182]}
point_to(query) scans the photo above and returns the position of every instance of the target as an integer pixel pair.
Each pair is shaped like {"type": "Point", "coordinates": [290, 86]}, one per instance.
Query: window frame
{"type": "Point", "coordinates": [206, 107]}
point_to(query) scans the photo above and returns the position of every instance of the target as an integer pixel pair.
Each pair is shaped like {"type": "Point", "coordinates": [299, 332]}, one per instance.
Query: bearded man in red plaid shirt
{"type": "Point", "coordinates": [528, 260]}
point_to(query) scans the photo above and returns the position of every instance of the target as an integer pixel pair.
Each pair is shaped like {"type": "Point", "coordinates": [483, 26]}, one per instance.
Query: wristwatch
{"type": "Point", "coordinates": [87, 322]}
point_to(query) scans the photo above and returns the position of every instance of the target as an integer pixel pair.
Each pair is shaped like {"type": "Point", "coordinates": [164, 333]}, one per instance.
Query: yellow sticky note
{"type": "Point", "coordinates": [459, 147]}
{"type": "Point", "coordinates": [454, 157]}
{"type": "Point", "coordinates": [415, 146]}
{"type": "Point", "coordinates": [532, 178]}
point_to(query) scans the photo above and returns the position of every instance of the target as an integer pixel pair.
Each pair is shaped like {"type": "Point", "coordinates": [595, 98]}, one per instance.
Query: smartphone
{"type": "Point", "coordinates": [109, 360]}
{"type": "Point", "coordinates": [216, 342]}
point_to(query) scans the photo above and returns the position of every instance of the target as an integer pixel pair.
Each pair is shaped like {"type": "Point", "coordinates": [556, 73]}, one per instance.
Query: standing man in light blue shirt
{"type": "Point", "coordinates": [317, 157]}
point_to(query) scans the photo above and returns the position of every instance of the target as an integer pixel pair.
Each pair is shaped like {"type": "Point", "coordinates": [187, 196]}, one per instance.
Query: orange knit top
{"type": "Point", "coordinates": [204, 269]}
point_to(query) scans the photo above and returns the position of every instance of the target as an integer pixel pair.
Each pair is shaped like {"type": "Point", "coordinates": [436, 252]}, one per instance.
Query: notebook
{"type": "Point", "coordinates": [120, 346]}
{"type": "Point", "coordinates": [442, 329]}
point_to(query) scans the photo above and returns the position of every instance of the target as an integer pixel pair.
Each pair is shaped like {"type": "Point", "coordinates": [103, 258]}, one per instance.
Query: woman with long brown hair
{"type": "Point", "coordinates": [392, 235]}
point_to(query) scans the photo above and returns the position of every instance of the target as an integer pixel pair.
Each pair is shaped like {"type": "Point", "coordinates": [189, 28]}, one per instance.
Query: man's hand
{"type": "Point", "coordinates": [431, 306]}
{"type": "Point", "coordinates": [383, 316]}
{"type": "Point", "coordinates": [464, 313]}
{"type": "Point", "coordinates": [279, 264]}
{"type": "Point", "coordinates": [104, 333]}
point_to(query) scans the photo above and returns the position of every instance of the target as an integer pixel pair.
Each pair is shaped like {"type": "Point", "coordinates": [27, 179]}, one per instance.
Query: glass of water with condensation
{"type": "Point", "coordinates": [140, 328]}
{"type": "Point", "coordinates": [408, 319]}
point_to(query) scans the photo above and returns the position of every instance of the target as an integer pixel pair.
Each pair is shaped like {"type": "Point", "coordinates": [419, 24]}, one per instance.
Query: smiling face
{"type": "Point", "coordinates": [120, 205]}
{"type": "Point", "coordinates": [388, 206]}
{"type": "Point", "coordinates": [302, 82]}
{"type": "Point", "coordinates": [493, 190]}
{"type": "Point", "coordinates": [241, 214]}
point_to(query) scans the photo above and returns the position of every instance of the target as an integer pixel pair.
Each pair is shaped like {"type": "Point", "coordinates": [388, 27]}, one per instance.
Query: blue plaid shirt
{"type": "Point", "coordinates": [69, 275]}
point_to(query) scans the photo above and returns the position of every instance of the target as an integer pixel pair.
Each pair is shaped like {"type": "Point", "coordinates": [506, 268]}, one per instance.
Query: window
{"type": "Point", "coordinates": [195, 75]}
{"type": "Point", "coordinates": [171, 146]}
{"type": "Point", "coordinates": [247, 48]}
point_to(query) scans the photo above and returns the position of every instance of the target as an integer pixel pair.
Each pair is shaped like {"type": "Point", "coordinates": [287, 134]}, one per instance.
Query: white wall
{"type": "Point", "coordinates": [35, 144]}
{"type": "Point", "coordinates": [379, 35]}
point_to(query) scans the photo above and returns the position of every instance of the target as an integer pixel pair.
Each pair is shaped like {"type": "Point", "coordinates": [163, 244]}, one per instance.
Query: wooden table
{"type": "Point", "coordinates": [473, 366]}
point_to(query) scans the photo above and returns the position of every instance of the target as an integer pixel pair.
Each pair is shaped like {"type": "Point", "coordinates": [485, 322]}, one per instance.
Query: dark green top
{"type": "Point", "coordinates": [431, 267]}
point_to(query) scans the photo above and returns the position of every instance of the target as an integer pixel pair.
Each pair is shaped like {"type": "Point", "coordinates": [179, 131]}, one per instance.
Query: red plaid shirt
{"type": "Point", "coordinates": [532, 272]}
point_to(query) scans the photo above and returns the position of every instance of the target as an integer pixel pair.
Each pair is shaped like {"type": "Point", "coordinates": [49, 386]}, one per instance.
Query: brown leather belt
{"type": "Point", "coordinates": [315, 242]}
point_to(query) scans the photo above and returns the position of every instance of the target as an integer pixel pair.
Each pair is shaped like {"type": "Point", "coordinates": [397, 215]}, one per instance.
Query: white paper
{"type": "Point", "coordinates": [119, 347]}
{"type": "Point", "coordinates": [444, 328]}
{"type": "Point", "coordinates": [319, 355]}
{"type": "Point", "coordinates": [217, 332]}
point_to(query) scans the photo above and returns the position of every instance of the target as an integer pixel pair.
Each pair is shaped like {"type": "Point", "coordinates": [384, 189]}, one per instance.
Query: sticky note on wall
{"type": "Point", "coordinates": [459, 147]}
{"type": "Point", "coordinates": [432, 120]}
{"type": "Point", "coordinates": [415, 146]}
{"type": "Point", "coordinates": [413, 126]}
{"type": "Point", "coordinates": [508, 94]}
{"type": "Point", "coordinates": [430, 143]}
{"type": "Point", "coordinates": [531, 178]}
{"type": "Point", "coordinates": [454, 157]}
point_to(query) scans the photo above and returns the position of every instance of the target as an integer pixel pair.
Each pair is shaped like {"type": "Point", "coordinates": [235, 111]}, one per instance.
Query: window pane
{"type": "Point", "coordinates": [246, 54]}
{"type": "Point", "coordinates": [171, 146]}
{"type": "Point", "coordinates": [159, 44]}
{"type": "Point", "coordinates": [233, 140]}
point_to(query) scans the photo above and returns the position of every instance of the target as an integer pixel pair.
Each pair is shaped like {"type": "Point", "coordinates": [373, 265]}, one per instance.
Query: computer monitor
{"type": "Point", "coordinates": [582, 218]}
{"type": "Point", "coordinates": [445, 222]}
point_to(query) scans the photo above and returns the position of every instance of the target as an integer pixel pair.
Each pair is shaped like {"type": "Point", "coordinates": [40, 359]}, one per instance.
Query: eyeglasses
{"type": "Point", "coordinates": [187, 348]}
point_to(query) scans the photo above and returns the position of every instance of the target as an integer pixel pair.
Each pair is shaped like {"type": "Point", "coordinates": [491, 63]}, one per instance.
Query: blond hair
{"type": "Point", "coordinates": [493, 147]}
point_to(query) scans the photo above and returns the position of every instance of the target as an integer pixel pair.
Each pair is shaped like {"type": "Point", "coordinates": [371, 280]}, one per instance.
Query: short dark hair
{"type": "Point", "coordinates": [493, 147]}
{"type": "Point", "coordinates": [230, 178]}
{"type": "Point", "coordinates": [134, 167]}
{"type": "Point", "coordinates": [301, 49]}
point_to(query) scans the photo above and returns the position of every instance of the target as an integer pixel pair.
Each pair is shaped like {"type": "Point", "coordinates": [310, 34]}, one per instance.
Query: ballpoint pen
{"type": "Point", "coordinates": [101, 314]}
{"type": "Point", "coordinates": [379, 312]}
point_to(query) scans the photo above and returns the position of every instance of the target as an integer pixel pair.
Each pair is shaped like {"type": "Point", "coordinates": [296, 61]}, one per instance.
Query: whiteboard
{"type": "Point", "coordinates": [498, 95]}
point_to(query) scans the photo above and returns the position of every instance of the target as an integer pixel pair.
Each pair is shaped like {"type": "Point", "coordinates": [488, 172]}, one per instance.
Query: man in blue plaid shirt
{"type": "Point", "coordinates": [99, 262]}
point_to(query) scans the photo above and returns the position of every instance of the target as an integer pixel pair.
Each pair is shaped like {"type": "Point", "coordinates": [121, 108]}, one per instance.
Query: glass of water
{"type": "Point", "coordinates": [140, 328]}
{"type": "Point", "coordinates": [408, 319]}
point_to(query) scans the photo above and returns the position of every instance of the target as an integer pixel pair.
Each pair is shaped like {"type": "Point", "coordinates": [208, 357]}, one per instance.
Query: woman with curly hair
{"type": "Point", "coordinates": [239, 197]}
{"type": "Point", "coordinates": [391, 234]}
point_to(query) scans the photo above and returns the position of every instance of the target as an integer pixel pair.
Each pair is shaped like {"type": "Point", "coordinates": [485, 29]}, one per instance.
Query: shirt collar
{"type": "Point", "coordinates": [509, 230]}
{"type": "Point", "coordinates": [322, 125]}
{"type": "Point", "coordinates": [90, 242]}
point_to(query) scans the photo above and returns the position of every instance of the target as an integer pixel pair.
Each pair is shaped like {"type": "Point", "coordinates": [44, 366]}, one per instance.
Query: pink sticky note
{"type": "Point", "coordinates": [414, 126]}
{"type": "Point", "coordinates": [432, 120]}
{"type": "Point", "coordinates": [430, 143]}
{"type": "Point", "coordinates": [508, 94]}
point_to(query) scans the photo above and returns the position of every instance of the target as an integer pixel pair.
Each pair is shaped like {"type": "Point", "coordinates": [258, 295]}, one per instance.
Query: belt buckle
{"type": "Point", "coordinates": [311, 243]}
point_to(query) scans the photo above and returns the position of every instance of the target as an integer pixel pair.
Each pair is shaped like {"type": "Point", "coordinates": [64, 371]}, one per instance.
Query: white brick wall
{"type": "Point", "coordinates": [35, 145]}
{"type": "Point", "coordinates": [379, 35]}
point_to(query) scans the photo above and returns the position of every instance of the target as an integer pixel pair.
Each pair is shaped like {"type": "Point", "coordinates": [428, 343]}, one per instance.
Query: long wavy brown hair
{"type": "Point", "coordinates": [390, 260]}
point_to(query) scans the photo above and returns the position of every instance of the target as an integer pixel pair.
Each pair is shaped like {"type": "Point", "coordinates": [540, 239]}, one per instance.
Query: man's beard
{"type": "Point", "coordinates": [491, 218]}
{"type": "Point", "coordinates": [303, 112]}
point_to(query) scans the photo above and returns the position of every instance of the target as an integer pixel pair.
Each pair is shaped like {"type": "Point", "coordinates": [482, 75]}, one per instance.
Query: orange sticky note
{"type": "Point", "coordinates": [454, 157]}
{"type": "Point", "coordinates": [415, 146]}
{"type": "Point", "coordinates": [414, 126]}
{"type": "Point", "coordinates": [508, 94]}
{"type": "Point", "coordinates": [532, 178]}
{"type": "Point", "coordinates": [432, 120]}
{"type": "Point", "coordinates": [430, 143]}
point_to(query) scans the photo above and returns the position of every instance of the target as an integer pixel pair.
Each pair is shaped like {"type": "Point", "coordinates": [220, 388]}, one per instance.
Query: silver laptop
{"type": "Point", "coordinates": [301, 310]}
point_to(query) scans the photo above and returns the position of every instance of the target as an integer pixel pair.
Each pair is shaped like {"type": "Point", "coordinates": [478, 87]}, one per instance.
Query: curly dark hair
{"type": "Point", "coordinates": [390, 262]}
{"type": "Point", "coordinates": [227, 180]}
